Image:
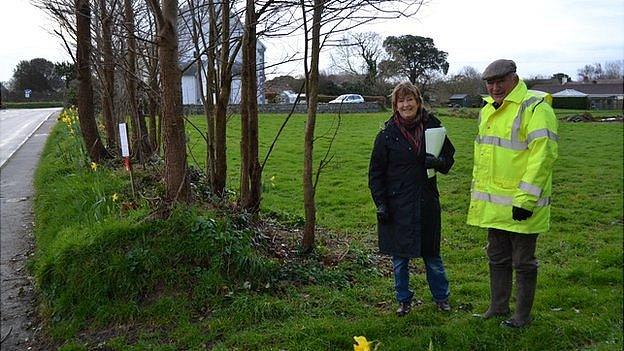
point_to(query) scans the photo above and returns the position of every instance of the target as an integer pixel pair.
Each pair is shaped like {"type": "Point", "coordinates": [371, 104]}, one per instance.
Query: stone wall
{"type": "Point", "coordinates": [365, 107]}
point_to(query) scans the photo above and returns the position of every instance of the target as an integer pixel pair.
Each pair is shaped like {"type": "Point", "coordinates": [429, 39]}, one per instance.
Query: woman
{"type": "Point", "coordinates": [408, 206]}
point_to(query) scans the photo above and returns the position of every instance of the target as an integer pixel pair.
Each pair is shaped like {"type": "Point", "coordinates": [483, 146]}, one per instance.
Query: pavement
{"type": "Point", "coordinates": [18, 316]}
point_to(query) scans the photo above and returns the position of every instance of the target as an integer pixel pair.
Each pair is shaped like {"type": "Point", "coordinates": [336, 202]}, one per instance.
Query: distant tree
{"type": "Point", "coordinates": [66, 72]}
{"type": "Point", "coordinates": [612, 70]}
{"type": "Point", "coordinates": [416, 58]}
{"type": "Point", "coordinates": [359, 54]}
{"type": "Point", "coordinates": [36, 75]}
{"type": "Point", "coordinates": [467, 81]}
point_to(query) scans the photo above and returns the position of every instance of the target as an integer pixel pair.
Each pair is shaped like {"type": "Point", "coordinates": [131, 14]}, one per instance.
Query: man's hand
{"type": "Point", "coordinates": [520, 214]}
{"type": "Point", "coordinates": [433, 162]}
{"type": "Point", "coordinates": [382, 214]}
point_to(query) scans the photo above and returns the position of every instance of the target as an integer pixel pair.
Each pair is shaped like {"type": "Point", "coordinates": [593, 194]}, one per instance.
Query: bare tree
{"type": "Point", "coordinates": [86, 115]}
{"type": "Point", "coordinates": [108, 72]}
{"type": "Point", "coordinates": [312, 76]}
{"type": "Point", "coordinates": [329, 18]}
{"type": "Point", "coordinates": [612, 70]}
{"type": "Point", "coordinates": [215, 60]}
{"type": "Point", "coordinates": [176, 180]}
{"type": "Point", "coordinates": [359, 54]}
{"type": "Point", "coordinates": [140, 141]}
{"type": "Point", "coordinates": [250, 166]}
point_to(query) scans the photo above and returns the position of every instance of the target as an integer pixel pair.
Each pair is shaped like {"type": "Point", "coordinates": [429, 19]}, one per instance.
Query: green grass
{"type": "Point", "coordinates": [155, 282]}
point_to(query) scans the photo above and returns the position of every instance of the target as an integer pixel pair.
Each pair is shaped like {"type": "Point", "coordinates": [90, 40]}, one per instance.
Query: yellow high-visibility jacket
{"type": "Point", "coordinates": [514, 154]}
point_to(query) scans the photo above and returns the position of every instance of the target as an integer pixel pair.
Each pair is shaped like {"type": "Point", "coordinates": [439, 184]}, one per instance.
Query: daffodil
{"type": "Point", "coordinates": [94, 166]}
{"type": "Point", "coordinates": [114, 197]}
{"type": "Point", "coordinates": [362, 344]}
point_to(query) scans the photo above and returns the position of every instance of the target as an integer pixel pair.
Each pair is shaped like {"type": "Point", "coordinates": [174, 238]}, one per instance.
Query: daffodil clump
{"type": "Point", "coordinates": [72, 151]}
{"type": "Point", "coordinates": [69, 117]}
{"type": "Point", "coordinates": [103, 204]}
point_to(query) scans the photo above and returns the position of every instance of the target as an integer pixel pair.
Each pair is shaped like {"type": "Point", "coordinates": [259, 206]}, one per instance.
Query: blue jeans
{"type": "Point", "coordinates": [436, 277]}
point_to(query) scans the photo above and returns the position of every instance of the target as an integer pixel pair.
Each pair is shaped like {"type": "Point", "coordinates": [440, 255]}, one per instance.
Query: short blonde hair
{"type": "Point", "coordinates": [404, 89]}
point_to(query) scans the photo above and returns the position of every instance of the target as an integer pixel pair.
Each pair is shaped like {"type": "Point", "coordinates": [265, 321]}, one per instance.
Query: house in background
{"type": "Point", "coordinates": [465, 100]}
{"type": "Point", "coordinates": [191, 78]}
{"type": "Point", "coordinates": [597, 95]}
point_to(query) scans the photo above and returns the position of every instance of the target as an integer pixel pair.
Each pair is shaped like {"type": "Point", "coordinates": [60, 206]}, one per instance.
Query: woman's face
{"type": "Point", "coordinates": [407, 106]}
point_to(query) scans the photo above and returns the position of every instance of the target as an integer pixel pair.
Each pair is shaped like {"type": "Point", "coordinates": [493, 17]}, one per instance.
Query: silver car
{"type": "Point", "coordinates": [348, 99]}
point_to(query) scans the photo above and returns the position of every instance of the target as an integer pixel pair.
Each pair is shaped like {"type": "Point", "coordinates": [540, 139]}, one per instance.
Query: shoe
{"type": "Point", "coordinates": [515, 324]}
{"type": "Point", "coordinates": [404, 308]}
{"type": "Point", "coordinates": [443, 306]}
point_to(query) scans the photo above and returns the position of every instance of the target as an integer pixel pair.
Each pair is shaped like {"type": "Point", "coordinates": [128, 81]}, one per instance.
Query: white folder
{"type": "Point", "coordinates": [434, 139]}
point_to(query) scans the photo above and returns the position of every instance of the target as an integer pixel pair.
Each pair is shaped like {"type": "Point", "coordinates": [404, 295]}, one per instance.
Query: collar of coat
{"type": "Point", "coordinates": [429, 118]}
{"type": "Point", "coordinates": [516, 95]}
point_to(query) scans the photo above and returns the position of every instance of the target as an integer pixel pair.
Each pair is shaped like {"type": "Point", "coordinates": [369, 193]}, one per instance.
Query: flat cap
{"type": "Point", "coordinates": [498, 68]}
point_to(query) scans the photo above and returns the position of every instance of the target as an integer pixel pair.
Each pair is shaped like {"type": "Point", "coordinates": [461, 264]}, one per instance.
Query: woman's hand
{"type": "Point", "coordinates": [433, 162]}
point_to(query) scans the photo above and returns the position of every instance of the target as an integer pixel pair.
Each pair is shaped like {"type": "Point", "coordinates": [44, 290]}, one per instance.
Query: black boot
{"type": "Point", "coordinates": [500, 291]}
{"type": "Point", "coordinates": [525, 292]}
{"type": "Point", "coordinates": [404, 308]}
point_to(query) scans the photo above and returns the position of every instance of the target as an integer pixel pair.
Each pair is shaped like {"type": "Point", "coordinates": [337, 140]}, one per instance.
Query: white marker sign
{"type": "Point", "coordinates": [123, 137]}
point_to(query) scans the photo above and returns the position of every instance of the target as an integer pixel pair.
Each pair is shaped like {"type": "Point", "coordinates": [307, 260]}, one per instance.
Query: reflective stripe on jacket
{"type": "Point", "coordinates": [514, 153]}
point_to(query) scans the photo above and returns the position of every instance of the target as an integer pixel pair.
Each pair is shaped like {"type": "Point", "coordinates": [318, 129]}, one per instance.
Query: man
{"type": "Point", "coordinates": [514, 153]}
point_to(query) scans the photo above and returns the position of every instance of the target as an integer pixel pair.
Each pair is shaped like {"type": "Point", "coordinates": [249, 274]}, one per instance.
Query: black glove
{"type": "Point", "coordinates": [520, 214]}
{"type": "Point", "coordinates": [433, 162]}
{"type": "Point", "coordinates": [382, 214]}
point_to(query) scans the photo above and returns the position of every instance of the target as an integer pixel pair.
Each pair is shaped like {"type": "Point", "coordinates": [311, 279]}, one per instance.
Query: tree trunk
{"type": "Point", "coordinates": [211, 88]}
{"type": "Point", "coordinates": [140, 139]}
{"type": "Point", "coordinates": [176, 180]}
{"type": "Point", "coordinates": [251, 177]}
{"type": "Point", "coordinates": [108, 77]}
{"type": "Point", "coordinates": [312, 96]}
{"type": "Point", "coordinates": [84, 98]}
{"type": "Point", "coordinates": [152, 106]}
{"type": "Point", "coordinates": [220, 172]}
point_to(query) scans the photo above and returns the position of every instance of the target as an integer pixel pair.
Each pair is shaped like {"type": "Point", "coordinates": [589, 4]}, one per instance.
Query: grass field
{"type": "Point", "coordinates": [579, 298]}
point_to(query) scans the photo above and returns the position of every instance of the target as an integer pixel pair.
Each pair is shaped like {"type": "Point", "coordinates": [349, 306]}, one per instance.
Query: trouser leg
{"type": "Point", "coordinates": [436, 277]}
{"type": "Point", "coordinates": [525, 265]}
{"type": "Point", "coordinates": [499, 251]}
{"type": "Point", "coordinates": [400, 265]}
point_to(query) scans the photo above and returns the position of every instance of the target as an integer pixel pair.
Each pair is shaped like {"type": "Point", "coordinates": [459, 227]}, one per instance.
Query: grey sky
{"type": "Point", "coordinates": [542, 36]}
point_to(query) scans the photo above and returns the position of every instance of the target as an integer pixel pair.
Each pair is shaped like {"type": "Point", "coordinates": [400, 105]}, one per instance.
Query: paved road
{"type": "Point", "coordinates": [17, 299]}
{"type": "Point", "coordinates": [16, 126]}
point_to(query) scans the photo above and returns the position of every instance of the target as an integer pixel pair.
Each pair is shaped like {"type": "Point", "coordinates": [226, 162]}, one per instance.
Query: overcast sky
{"type": "Point", "coordinates": [543, 36]}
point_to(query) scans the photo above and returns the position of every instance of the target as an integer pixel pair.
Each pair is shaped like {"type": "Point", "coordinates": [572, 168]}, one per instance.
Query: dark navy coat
{"type": "Point", "coordinates": [398, 179]}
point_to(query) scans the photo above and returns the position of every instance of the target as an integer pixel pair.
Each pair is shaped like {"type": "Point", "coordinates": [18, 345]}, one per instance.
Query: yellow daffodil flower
{"type": "Point", "coordinates": [362, 344]}
{"type": "Point", "coordinates": [114, 197]}
{"type": "Point", "coordinates": [94, 166]}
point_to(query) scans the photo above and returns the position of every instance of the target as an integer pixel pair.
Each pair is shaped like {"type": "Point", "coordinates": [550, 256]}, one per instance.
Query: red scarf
{"type": "Point", "coordinates": [412, 129]}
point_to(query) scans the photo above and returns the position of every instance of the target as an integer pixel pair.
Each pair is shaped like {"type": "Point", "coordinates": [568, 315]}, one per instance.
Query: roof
{"type": "Point", "coordinates": [569, 93]}
{"type": "Point", "coordinates": [609, 88]}
{"type": "Point", "coordinates": [458, 96]}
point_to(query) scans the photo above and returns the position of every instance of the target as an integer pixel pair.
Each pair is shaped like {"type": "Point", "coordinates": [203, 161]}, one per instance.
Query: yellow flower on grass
{"type": "Point", "coordinates": [114, 197]}
{"type": "Point", "coordinates": [362, 344]}
{"type": "Point", "coordinates": [94, 166]}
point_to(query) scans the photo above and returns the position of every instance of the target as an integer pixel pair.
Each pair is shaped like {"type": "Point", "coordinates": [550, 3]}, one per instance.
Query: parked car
{"type": "Point", "coordinates": [348, 99]}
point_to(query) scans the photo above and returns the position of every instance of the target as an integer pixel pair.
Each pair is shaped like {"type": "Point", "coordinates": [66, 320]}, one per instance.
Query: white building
{"type": "Point", "coordinates": [191, 94]}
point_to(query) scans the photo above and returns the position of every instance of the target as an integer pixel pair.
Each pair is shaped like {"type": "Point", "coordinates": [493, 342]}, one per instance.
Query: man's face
{"type": "Point", "coordinates": [499, 88]}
